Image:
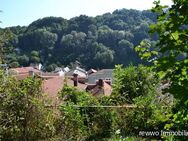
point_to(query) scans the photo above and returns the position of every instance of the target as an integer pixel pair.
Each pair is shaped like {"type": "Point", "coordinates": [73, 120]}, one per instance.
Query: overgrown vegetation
{"type": "Point", "coordinates": [24, 114]}
{"type": "Point", "coordinates": [171, 57]}
{"type": "Point", "coordinates": [85, 117]}
{"type": "Point", "coordinates": [139, 101]}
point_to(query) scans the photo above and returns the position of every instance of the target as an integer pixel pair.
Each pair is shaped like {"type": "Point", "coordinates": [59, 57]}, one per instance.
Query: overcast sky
{"type": "Point", "coordinates": [23, 12]}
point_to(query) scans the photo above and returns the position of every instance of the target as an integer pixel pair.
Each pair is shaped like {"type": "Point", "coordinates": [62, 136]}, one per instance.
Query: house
{"type": "Point", "coordinates": [23, 72]}
{"type": "Point", "coordinates": [59, 71]}
{"type": "Point", "coordinates": [75, 83]}
{"type": "Point", "coordinates": [101, 88]}
{"type": "Point", "coordinates": [81, 74]}
{"type": "Point", "coordinates": [104, 74]}
{"type": "Point", "coordinates": [53, 82]}
{"type": "Point", "coordinates": [66, 69]}
{"type": "Point", "coordinates": [89, 72]}
{"type": "Point", "coordinates": [36, 66]}
{"type": "Point", "coordinates": [52, 86]}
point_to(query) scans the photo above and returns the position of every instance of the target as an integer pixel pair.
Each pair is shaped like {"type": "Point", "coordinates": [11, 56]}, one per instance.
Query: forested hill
{"type": "Point", "coordinates": [97, 42]}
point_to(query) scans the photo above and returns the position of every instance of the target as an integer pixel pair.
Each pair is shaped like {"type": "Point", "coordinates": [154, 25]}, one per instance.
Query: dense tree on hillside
{"type": "Point", "coordinates": [5, 44]}
{"type": "Point", "coordinates": [105, 41]}
{"type": "Point", "coordinates": [52, 24]}
{"type": "Point", "coordinates": [99, 42]}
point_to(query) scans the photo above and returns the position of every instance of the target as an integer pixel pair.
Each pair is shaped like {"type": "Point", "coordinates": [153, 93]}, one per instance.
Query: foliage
{"type": "Point", "coordinates": [173, 46]}
{"type": "Point", "coordinates": [81, 121]}
{"type": "Point", "coordinates": [147, 51]}
{"type": "Point", "coordinates": [132, 82]}
{"type": "Point", "coordinates": [23, 115]}
{"type": "Point", "coordinates": [170, 58]}
{"type": "Point", "coordinates": [83, 116]}
{"type": "Point", "coordinates": [5, 38]}
{"type": "Point", "coordinates": [101, 41]}
{"type": "Point", "coordinates": [97, 42]}
{"type": "Point", "coordinates": [150, 115]}
{"type": "Point", "coordinates": [139, 86]}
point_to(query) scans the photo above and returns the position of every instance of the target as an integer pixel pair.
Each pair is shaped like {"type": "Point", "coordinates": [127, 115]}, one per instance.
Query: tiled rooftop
{"type": "Point", "coordinates": [104, 74]}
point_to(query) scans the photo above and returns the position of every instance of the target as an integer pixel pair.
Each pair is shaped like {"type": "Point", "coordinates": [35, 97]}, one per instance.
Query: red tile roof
{"type": "Point", "coordinates": [96, 90]}
{"type": "Point", "coordinates": [80, 86]}
{"type": "Point", "coordinates": [21, 76]}
{"type": "Point", "coordinates": [53, 85]}
{"type": "Point", "coordinates": [25, 70]}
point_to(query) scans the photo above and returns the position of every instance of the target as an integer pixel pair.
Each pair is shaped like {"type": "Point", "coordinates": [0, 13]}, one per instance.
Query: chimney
{"type": "Point", "coordinates": [108, 82]}
{"type": "Point", "coordinates": [75, 79]}
{"type": "Point", "coordinates": [31, 73]}
{"type": "Point", "coordinates": [100, 83]}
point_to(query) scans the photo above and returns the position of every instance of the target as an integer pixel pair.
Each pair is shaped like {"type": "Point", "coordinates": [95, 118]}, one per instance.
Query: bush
{"type": "Point", "coordinates": [83, 118]}
{"type": "Point", "coordinates": [23, 115]}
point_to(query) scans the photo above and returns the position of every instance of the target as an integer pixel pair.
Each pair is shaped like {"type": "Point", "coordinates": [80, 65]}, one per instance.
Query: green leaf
{"type": "Point", "coordinates": [175, 35]}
